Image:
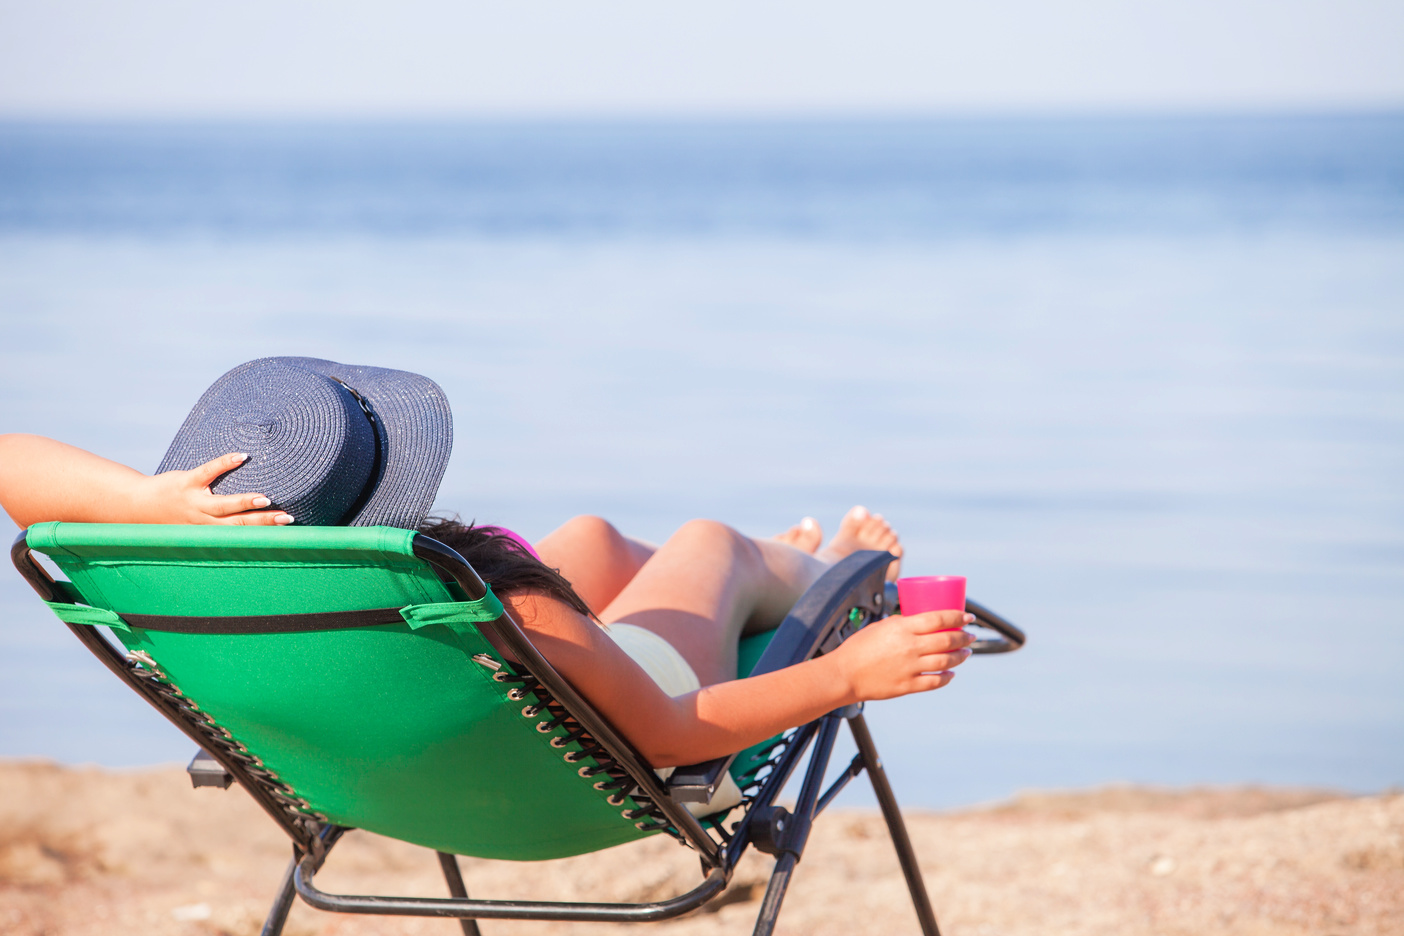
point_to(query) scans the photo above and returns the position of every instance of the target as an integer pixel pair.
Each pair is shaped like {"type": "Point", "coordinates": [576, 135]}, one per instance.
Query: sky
{"type": "Point", "coordinates": [426, 58]}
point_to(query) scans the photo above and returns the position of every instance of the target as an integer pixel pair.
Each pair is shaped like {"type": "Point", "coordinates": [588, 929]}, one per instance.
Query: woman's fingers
{"type": "Point", "coordinates": [929, 621]}
{"type": "Point", "coordinates": [209, 472]}
{"type": "Point", "coordinates": [942, 641]}
{"type": "Point", "coordinates": [928, 681]}
{"type": "Point", "coordinates": [934, 662]}
{"type": "Point", "coordinates": [226, 505]}
{"type": "Point", "coordinates": [258, 518]}
{"type": "Point", "coordinates": [940, 652]}
{"type": "Point", "coordinates": [935, 642]}
{"type": "Point", "coordinates": [234, 509]}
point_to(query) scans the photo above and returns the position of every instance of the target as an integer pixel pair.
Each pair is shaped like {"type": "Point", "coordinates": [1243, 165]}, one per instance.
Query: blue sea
{"type": "Point", "coordinates": [1140, 379]}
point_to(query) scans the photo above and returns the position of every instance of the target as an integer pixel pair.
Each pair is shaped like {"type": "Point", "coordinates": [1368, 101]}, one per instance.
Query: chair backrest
{"type": "Point", "coordinates": [399, 728]}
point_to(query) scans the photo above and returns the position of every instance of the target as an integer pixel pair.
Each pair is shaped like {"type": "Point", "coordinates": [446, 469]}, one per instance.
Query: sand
{"type": "Point", "coordinates": [89, 851]}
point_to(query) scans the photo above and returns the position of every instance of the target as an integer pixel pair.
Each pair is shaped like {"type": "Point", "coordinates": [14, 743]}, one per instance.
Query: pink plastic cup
{"type": "Point", "coordinates": [931, 593]}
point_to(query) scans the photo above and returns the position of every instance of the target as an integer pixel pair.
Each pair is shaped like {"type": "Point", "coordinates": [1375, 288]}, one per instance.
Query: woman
{"type": "Point", "coordinates": [364, 446]}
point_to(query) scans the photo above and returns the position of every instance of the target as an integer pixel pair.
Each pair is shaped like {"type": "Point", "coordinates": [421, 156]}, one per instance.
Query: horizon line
{"type": "Point", "coordinates": [1301, 110]}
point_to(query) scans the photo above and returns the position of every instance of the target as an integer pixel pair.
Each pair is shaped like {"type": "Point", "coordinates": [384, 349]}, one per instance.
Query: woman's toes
{"type": "Point", "coordinates": [853, 521]}
{"type": "Point", "coordinates": [804, 536]}
{"type": "Point", "coordinates": [894, 571]}
{"type": "Point", "coordinates": [859, 529]}
{"type": "Point", "coordinates": [876, 525]}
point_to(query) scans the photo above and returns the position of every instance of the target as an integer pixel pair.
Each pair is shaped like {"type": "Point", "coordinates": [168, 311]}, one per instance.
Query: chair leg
{"type": "Point", "coordinates": [456, 887]}
{"type": "Point", "coordinates": [775, 894]}
{"type": "Point", "coordinates": [278, 914]}
{"type": "Point", "coordinates": [895, 826]}
{"type": "Point", "coordinates": [794, 838]}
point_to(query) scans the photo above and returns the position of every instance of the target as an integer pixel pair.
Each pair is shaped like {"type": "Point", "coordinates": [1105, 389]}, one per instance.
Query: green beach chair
{"type": "Point", "coordinates": [365, 677]}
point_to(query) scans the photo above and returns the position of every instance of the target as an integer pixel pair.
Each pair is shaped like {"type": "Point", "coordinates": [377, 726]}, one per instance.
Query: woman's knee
{"type": "Point", "coordinates": [589, 528]}
{"type": "Point", "coordinates": [584, 546]}
{"type": "Point", "coordinates": [710, 536]}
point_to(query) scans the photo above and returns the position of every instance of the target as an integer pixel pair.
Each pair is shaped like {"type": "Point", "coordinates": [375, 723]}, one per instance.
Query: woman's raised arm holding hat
{"type": "Point", "coordinates": [43, 479]}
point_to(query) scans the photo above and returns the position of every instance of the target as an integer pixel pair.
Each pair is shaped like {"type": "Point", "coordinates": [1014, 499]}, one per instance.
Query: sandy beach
{"type": "Point", "coordinates": [85, 851]}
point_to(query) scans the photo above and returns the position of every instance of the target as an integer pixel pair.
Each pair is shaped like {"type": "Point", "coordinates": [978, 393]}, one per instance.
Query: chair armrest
{"type": "Point", "coordinates": [817, 624]}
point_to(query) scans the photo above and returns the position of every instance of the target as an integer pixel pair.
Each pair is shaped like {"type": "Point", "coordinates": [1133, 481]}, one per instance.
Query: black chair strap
{"type": "Point", "coordinates": [264, 624]}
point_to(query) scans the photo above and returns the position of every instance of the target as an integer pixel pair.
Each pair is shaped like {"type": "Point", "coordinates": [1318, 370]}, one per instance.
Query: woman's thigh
{"type": "Point", "coordinates": [706, 586]}
{"type": "Point", "coordinates": [594, 557]}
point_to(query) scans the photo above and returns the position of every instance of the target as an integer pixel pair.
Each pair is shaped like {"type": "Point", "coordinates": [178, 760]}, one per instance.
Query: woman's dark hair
{"type": "Point", "coordinates": [501, 561]}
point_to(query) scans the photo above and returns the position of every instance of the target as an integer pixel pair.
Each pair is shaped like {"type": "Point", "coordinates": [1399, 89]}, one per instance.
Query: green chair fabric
{"type": "Point", "coordinates": [394, 728]}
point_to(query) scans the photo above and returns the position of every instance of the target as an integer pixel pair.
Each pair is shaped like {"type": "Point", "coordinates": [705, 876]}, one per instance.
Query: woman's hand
{"type": "Point", "coordinates": [185, 497]}
{"type": "Point", "coordinates": [904, 654]}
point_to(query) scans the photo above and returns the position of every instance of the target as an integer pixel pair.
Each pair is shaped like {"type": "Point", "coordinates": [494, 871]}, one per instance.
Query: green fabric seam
{"type": "Point", "coordinates": [390, 541]}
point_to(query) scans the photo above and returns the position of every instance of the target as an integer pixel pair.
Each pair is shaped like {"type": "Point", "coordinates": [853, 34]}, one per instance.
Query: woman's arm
{"type": "Point", "coordinates": [892, 657]}
{"type": "Point", "coordinates": [41, 479]}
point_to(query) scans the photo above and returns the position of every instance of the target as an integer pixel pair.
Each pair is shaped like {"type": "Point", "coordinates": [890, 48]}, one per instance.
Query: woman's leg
{"type": "Point", "coordinates": [594, 557]}
{"type": "Point", "coordinates": [599, 561]}
{"type": "Point", "coordinates": [707, 586]}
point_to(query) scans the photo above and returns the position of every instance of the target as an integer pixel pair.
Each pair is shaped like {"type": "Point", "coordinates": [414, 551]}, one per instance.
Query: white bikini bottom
{"type": "Point", "coordinates": [661, 660]}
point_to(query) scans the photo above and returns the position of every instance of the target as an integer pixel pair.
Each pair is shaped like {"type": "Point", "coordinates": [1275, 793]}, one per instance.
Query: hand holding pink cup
{"type": "Point", "coordinates": [921, 593]}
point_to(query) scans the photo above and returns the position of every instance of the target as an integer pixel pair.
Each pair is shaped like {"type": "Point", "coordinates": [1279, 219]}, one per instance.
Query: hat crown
{"type": "Point", "coordinates": [256, 425]}
{"type": "Point", "coordinates": [311, 448]}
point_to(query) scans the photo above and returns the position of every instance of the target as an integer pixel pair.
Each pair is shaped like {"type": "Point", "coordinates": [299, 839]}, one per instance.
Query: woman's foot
{"type": "Point", "coordinates": [862, 530]}
{"type": "Point", "coordinates": [804, 536]}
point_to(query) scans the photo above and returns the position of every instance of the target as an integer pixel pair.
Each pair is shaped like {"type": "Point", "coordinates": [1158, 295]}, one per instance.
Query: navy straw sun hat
{"type": "Point", "coordinates": [332, 444]}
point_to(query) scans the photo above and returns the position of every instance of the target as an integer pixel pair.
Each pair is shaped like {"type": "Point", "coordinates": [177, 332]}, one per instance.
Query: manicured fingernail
{"type": "Point", "coordinates": [860, 512]}
{"type": "Point", "coordinates": [240, 457]}
{"type": "Point", "coordinates": [261, 501]}
{"type": "Point", "coordinates": [970, 619]}
{"type": "Point", "coordinates": [283, 519]}
{"type": "Point", "coordinates": [808, 523]}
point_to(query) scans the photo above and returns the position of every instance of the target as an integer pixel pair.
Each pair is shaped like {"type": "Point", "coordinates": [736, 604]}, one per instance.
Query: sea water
{"type": "Point", "coordinates": [1141, 380]}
